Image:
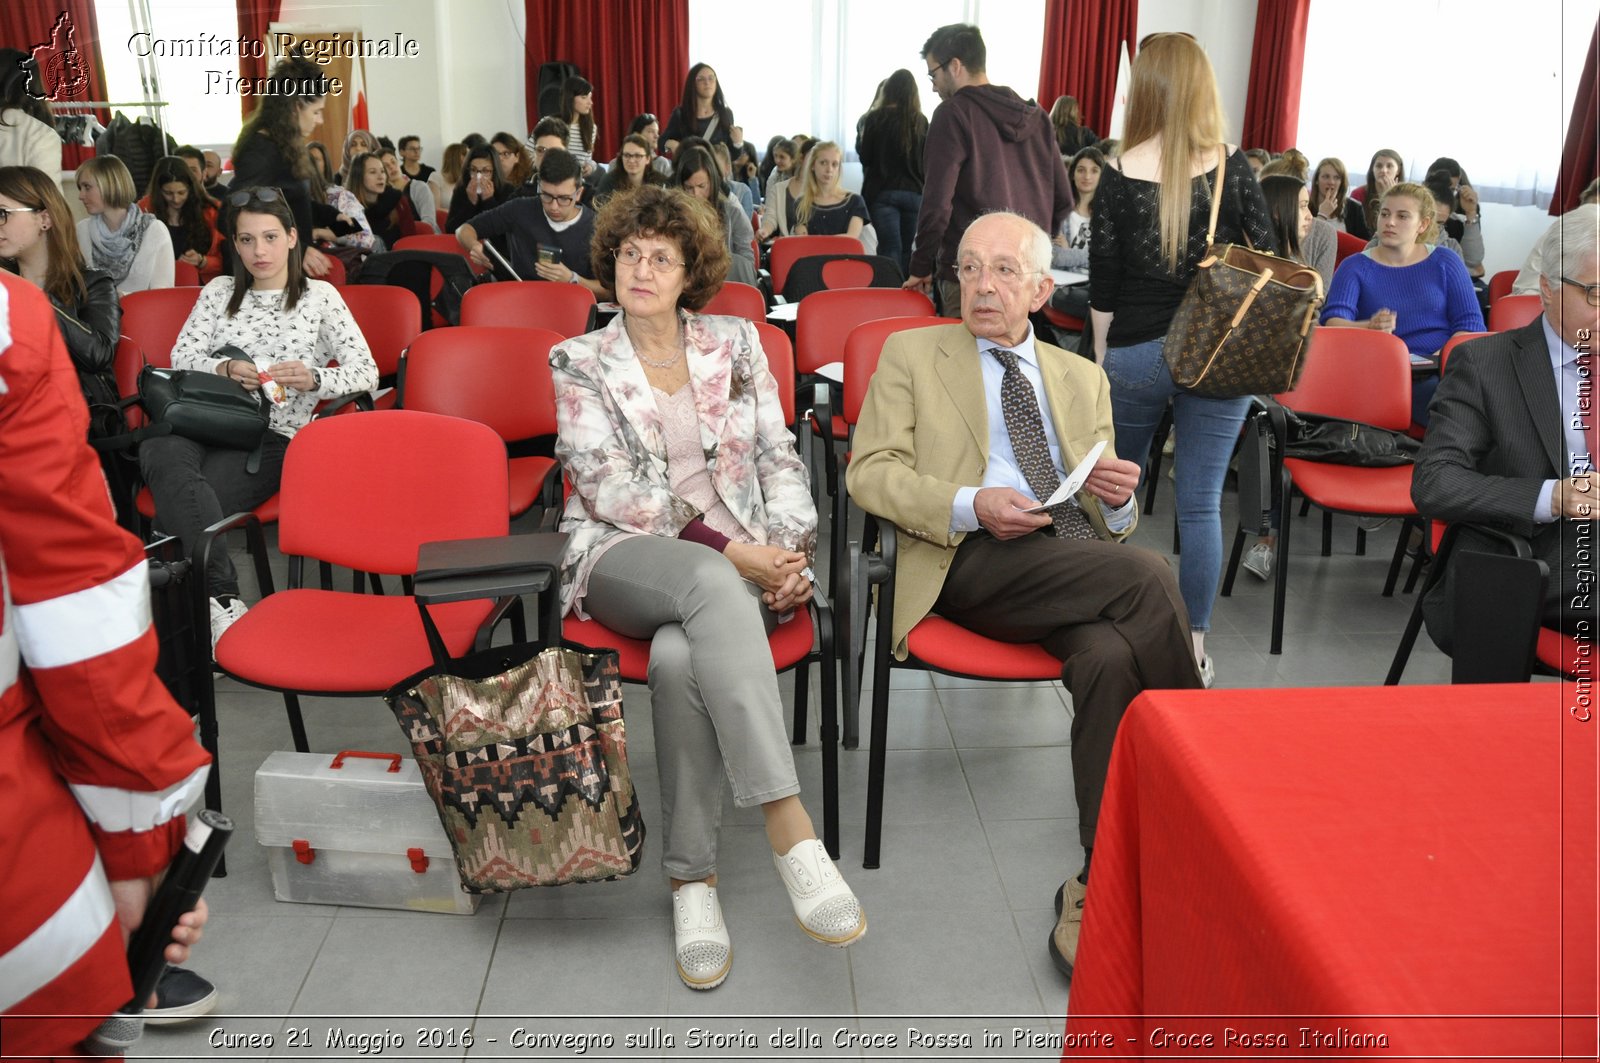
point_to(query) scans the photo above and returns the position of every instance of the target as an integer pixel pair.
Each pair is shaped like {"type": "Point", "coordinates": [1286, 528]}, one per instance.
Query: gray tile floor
{"type": "Point", "coordinates": [980, 829]}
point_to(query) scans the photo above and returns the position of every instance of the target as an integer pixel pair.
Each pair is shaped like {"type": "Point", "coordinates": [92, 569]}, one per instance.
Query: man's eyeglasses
{"type": "Point", "coordinates": [933, 71]}
{"type": "Point", "coordinates": [266, 194]}
{"type": "Point", "coordinates": [557, 201]}
{"type": "Point", "coordinates": [1590, 291]}
{"type": "Point", "coordinates": [6, 212]}
{"type": "Point", "coordinates": [1003, 272]}
{"type": "Point", "coordinates": [660, 262]}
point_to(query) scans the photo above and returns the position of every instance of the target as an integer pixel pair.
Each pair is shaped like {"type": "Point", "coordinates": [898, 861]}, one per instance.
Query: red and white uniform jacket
{"type": "Point", "coordinates": [98, 765]}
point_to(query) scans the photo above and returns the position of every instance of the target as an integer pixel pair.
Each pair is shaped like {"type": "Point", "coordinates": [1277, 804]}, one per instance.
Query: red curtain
{"type": "Point", "coordinates": [254, 18]}
{"type": "Point", "coordinates": [634, 52]}
{"type": "Point", "coordinates": [1579, 154]}
{"type": "Point", "coordinates": [71, 65]}
{"type": "Point", "coordinates": [1083, 42]}
{"type": "Point", "coordinates": [1272, 105]}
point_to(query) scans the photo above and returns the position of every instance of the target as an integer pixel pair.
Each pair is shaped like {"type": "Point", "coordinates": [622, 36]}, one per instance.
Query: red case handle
{"type": "Point", "coordinates": [392, 758]}
{"type": "Point", "coordinates": [419, 860]}
{"type": "Point", "coordinates": [303, 851]}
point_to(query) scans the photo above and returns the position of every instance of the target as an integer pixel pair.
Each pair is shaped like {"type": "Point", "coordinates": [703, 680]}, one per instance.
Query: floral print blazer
{"type": "Point", "coordinates": [612, 446]}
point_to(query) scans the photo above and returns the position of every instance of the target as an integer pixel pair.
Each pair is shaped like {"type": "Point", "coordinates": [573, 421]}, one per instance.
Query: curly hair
{"type": "Point", "coordinates": [297, 83]}
{"type": "Point", "coordinates": [667, 214]}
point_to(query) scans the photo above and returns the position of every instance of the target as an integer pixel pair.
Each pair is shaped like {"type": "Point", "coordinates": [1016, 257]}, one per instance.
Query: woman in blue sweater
{"type": "Point", "coordinates": [1406, 286]}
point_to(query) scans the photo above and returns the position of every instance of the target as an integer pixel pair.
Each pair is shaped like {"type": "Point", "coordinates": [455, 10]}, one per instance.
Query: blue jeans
{"type": "Point", "coordinates": [1207, 430]}
{"type": "Point", "coordinates": [894, 216]}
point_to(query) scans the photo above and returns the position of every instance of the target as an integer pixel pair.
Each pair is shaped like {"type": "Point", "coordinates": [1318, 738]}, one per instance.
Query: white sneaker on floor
{"type": "Point", "coordinates": [223, 617]}
{"type": "Point", "coordinates": [701, 946]}
{"type": "Point", "coordinates": [824, 906]}
{"type": "Point", "coordinates": [1258, 560]}
{"type": "Point", "coordinates": [1372, 524]}
{"type": "Point", "coordinates": [1208, 672]}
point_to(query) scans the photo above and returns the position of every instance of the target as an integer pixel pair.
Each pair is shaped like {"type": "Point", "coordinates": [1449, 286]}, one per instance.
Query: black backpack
{"type": "Point", "coordinates": [413, 270]}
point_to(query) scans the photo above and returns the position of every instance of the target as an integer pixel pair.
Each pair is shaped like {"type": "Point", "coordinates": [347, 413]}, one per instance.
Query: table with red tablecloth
{"type": "Point", "coordinates": [1392, 871]}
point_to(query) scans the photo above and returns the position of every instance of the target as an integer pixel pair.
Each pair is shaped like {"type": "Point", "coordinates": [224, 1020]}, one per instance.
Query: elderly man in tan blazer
{"type": "Point", "coordinates": [956, 445]}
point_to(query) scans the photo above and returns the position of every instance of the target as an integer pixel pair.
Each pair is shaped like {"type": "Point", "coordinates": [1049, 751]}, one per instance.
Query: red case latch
{"type": "Point", "coordinates": [303, 851]}
{"type": "Point", "coordinates": [419, 860]}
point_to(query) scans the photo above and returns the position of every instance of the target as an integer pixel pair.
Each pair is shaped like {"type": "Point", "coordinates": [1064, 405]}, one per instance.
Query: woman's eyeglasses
{"type": "Point", "coordinates": [6, 212]}
{"type": "Point", "coordinates": [660, 262]}
{"type": "Point", "coordinates": [634, 156]}
{"type": "Point", "coordinates": [264, 194]}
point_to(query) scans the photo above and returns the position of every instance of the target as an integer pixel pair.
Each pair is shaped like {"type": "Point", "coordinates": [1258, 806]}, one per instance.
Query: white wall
{"type": "Point", "coordinates": [1225, 28]}
{"type": "Point", "coordinates": [468, 75]}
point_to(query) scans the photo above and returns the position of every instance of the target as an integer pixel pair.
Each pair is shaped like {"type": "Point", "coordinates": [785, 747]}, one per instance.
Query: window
{"type": "Point", "coordinates": [1466, 80]}
{"type": "Point", "coordinates": [181, 42]}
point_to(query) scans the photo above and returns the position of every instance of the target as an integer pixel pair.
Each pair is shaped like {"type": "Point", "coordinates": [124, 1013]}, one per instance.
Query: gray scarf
{"type": "Point", "coordinates": [114, 252]}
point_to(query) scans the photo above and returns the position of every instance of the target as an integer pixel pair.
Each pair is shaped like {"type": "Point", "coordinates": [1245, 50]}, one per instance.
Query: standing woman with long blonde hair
{"type": "Point", "coordinates": [1147, 238]}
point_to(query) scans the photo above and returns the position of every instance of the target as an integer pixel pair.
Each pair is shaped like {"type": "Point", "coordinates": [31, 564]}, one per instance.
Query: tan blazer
{"type": "Point", "coordinates": [924, 432]}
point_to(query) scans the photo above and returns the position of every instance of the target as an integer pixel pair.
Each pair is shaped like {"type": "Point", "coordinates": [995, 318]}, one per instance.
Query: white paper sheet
{"type": "Point", "coordinates": [1074, 481]}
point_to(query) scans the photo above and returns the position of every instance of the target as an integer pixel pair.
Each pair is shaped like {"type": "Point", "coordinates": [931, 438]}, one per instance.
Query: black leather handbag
{"type": "Point", "coordinates": [1340, 442]}
{"type": "Point", "coordinates": [206, 408]}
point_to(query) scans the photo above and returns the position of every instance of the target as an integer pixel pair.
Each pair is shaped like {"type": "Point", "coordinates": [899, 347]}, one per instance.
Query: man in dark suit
{"type": "Point", "coordinates": [964, 427]}
{"type": "Point", "coordinates": [1512, 440]}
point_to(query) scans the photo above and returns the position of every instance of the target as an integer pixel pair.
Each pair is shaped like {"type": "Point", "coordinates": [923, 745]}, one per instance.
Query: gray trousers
{"type": "Point", "coordinates": [713, 691]}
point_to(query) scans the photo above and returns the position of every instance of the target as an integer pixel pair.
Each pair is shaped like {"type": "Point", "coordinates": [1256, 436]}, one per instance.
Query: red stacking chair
{"type": "Point", "coordinates": [565, 309]}
{"type": "Point", "coordinates": [787, 250]}
{"type": "Point", "coordinates": [1357, 375]}
{"type": "Point", "coordinates": [1514, 311]}
{"type": "Point", "coordinates": [1500, 285]}
{"type": "Point", "coordinates": [935, 645]}
{"type": "Point", "coordinates": [390, 319]}
{"type": "Point", "coordinates": [363, 492]}
{"type": "Point", "coordinates": [443, 217]}
{"type": "Point", "coordinates": [734, 299]}
{"type": "Point", "coordinates": [496, 376]}
{"type": "Point", "coordinates": [154, 318]}
{"type": "Point", "coordinates": [1346, 245]}
{"type": "Point", "coordinates": [791, 643]}
{"type": "Point", "coordinates": [816, 273]}
{"type": "Point", "coordinates": [185, 275]}
{"type": "Point", "coordinates": [445, 242]}
{"type": "Point", "coordinates": [336, 275]}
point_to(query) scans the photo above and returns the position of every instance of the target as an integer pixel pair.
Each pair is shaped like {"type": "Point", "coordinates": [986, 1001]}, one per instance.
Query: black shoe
{"type": "Point", "coordinates": [181, 996]}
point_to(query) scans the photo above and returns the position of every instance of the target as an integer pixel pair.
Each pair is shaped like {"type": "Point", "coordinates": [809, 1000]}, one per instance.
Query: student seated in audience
{"type": "Point", "coordinates": [117, 236]}
{"type": "Point", "coordinates": [702, 112]}
{"type": "Point", "coordinates": [1361, 209]}
{"type": "Point", "coordinates": [318, 152]}
{"type": "Point", "coordinates": [449, 175]}
{"type": "Point", "coordinates": [282, 325]}
{"type": "Point", "coordinates": [543, 239]}
{"type": "Point", "coordinates": [353, 238]}
{"type": "Point", "coordinates": [744, 160]}
{"type": "Point", "coordinates": [195, 161]}
{"type": "Point", "coordinates": [191, 221]}
{"type": "Point", "coordinates": [735, 188]}
{"type": "Point", "coordinates": [480, 188]}
{"type": "Point", "coordinates": [786, 159]}
{"type": "Point", "coordinates": [1406, 285]}
{"type": "Point", "coordinates": [702, 558]}
{"type": "Point", "coordinates": [577, 108]}
{"type": "Point", "coordinates": [1257, 158]}
{"type": "Point", "coordinates": [646, 125]}
{"type": "Point", "coordinates": [824, 207]}
{"type": "Point", "coordinates": [1527, 282]}
{"type": "Point", "coordinates": [411, 163]}
{"type": "Point", "coordinates": [777, 166]}
{"type": "Point", "coordinates": [1072, 136]}
{"type": "Point", "coordinates": [1512, 441]}
{"type": "Point", "coordinates": [630, 169]}
{"type": "Point", "coordinates": [1470, 244]}
{"type": "Point", "coordinates": [1331, 192]}
{"type": "Point", "coordinates": [519, 163]}
{"type": "Point", "coordinates": [698, 175]}
{"type": "Point", "coordinates": [1316, 244]}
{"type": "Point", "coordinates": [211, 176]}
{"type": "Point", "coordinates": [1071, 242]}
{"type": "Point", "coordinates": [358, 142]}
{"type": "Point", "coordinates": [419, 211]}
{"type": "Point", "coordinates": [27, 128]}
{"type": "Point", "coordinates": [368, 181]}
{"type": "Point", "coordinates": [39, 243]}
{"type": "Point", "coordinates": [967, 427]}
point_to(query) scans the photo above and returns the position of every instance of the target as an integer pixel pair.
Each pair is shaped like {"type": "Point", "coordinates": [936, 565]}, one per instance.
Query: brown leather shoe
{"type": "Point", "coordinates": [1063, 941]}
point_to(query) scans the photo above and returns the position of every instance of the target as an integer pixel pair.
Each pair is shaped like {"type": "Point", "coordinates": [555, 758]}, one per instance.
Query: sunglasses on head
{"type": "Point", "coordinates": [265, 194]}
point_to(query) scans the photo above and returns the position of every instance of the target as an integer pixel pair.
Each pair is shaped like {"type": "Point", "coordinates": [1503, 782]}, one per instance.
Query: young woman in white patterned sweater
{"type": "Point", "coordinates": [288, 328]}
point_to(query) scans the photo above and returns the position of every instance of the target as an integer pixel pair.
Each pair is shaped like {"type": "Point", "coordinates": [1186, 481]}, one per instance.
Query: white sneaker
{"type": "Point", "coordinates": [1258, 560]}
{"type": "Point", "coordinates": [222, 618]}
{"type": "Point", "coordinates": [824, 906]}
{"type": "Point", "coordinates": [701, 945]}
{"type": "Point", "coordinates": [1208, 672]}
{"type": "Point", "coordinates": [1372, 524]}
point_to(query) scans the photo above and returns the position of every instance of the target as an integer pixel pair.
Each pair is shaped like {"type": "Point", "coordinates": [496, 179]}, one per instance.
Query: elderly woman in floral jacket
{"type": "Point", "coordinates": [692, 526]}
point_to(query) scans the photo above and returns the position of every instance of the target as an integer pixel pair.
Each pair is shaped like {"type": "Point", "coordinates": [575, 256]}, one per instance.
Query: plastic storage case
{"type": "Point", "coordinates": [357, 829]}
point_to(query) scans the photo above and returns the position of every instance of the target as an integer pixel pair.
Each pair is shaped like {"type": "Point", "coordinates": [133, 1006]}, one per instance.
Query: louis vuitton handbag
{"type": "Point", "coordinates": [1245, 325]}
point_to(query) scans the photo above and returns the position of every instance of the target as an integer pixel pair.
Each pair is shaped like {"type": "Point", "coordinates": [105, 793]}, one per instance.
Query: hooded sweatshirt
{"type": "Point", "coordinates": [988, 149]}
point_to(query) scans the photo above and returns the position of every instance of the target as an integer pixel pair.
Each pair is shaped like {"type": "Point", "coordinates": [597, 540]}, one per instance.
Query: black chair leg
{"type": "Point", "coordinates": [297, 725]}
{"type": "Point", "coordinates": [828, 727]}
{"type": "Point", "coordinates": [1361, 541]}
{"type": "Point", "coordinates": [1280, 589]}
{"type": "Point", "coordinates": [1408, 639]}
{"type": "Point", "coordinates": [1399, 555]}
{"type": "Point", "coordinates": [802, 703]}
{"type": "Point", "coordinates": [876, 759]}
{"type": "Point", "coordinates": [1327, 532]}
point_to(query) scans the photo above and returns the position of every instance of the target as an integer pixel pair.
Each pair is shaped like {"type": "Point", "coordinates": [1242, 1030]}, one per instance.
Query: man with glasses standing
{"type": "Point", "coordinates": [543, 240]}
{"type": "Point", "coordinates": [1512, 437]}
{"type": "Point", "coordinates": [988, 149]}
{"type": "Point", "coordinates": [965, 431]}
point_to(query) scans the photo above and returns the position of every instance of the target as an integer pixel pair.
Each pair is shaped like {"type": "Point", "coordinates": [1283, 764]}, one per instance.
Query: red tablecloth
{"type": "Point", "coordinates": [1340, 867]}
